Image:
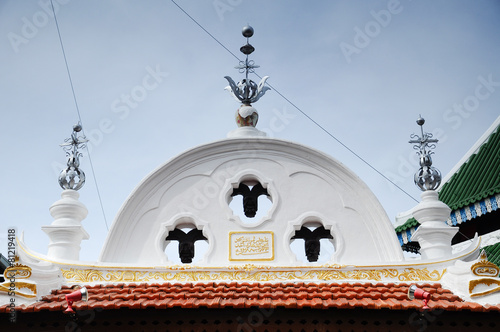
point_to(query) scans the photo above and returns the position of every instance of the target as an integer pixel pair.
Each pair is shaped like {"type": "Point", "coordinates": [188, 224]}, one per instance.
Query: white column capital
{"type": "Point", "coordinates": [66, 231]}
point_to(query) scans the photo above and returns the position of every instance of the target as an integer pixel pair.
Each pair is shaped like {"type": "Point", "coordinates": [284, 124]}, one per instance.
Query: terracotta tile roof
{"type": "Point", "coordinates": [245, 295]}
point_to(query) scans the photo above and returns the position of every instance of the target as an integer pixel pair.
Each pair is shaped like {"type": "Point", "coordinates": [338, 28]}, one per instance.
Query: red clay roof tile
{"type": "Point", "coordinates": [101, 297]}
{"type": "Point", "coordinates": [342, 303]}
{"type": "Point", "coordinates": [80, 305]}
{"type": "Point", "coordinates": [246, 295]}
{"type": "Point", "coordinates": [25, 308]}
{"type": "Point", "coordinates": [38, 306]}
{"type": "Point", "coordinates": [290, 303]}
{"type": "Point", "coordinates": [213, 303]}
{"type": "Point", "coordinates": [110, 304]}
{"type": "Point", "coordinates": [148, 303]}
{"type": "Point", "coordinates": [266, 303]}
{"type": "Point", "coordinates": [411, 304]}
{"type": "Point", "coordinates": [56, 306]}
{"type": "Point", "coordinates": [394, 303]}
{"type": "Point", "coordinates": [124, 304]}
{"type": "Point", "coordinates": [381, 304]}
{"type": "Point", "coordinates": [239, 303]}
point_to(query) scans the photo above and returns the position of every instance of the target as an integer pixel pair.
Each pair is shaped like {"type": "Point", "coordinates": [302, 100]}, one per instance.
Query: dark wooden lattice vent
{"type": "Point", "coordinates": [312, 239]}
{"type": "Point", "coordinates": [250, 197]}
{"type": "Point", "coordinates": [186, 242]}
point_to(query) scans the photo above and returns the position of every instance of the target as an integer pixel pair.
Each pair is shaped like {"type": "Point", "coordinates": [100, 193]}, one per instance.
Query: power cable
{"type": "Point", "coordinates": [78, 112]}
{"type": "Point", "coordinates": [296, 107]}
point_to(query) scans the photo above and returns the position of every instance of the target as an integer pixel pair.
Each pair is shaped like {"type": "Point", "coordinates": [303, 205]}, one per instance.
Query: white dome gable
{"type": "Point", "coordinates": [306, 187]}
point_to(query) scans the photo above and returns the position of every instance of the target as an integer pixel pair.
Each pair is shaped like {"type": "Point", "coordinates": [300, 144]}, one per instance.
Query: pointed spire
{"type": "Point", "coordinates": [247, 91]}
{"type": "Point", "coordinates": [427, 177]}
{"type": "Point", "coordinates": [73, 177]}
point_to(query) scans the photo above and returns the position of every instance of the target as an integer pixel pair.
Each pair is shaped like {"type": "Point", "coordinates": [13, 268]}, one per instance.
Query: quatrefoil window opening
{"type": "Point", "coordinates": [312, 243]}
{"type": "Point", "coordinates": [250, 201]}
{"type": "Point", "coordinates": [185, 244]}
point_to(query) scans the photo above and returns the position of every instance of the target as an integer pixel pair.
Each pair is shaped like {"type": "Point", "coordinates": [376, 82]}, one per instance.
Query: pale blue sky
{"type": "Point", "coordinates": [363, 70]}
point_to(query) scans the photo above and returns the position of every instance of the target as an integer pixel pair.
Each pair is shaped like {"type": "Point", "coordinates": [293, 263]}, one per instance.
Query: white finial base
{"type": "Point", "coordinates": [433, 235]}
{"type": "Point", "coordinates": [246, 132]}
{"type": "Point", "coordinates": [66, 231]}
{"type": "Point", "coordinates": [65, 241]}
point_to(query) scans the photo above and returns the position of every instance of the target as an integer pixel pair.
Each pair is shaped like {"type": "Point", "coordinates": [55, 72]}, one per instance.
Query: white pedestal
{"type": "Point", "coordinates": [66, 231]}
{"type": "Point", "coordinates": [433, 235]}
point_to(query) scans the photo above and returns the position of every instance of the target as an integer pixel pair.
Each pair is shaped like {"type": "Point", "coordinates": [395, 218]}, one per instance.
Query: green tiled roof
{"type": "Point", "coordinates": [408, 224]}
{"type": "Point", "coordinates": [493, 253]}
{"type": "Point", "coordinates": [476, 179]}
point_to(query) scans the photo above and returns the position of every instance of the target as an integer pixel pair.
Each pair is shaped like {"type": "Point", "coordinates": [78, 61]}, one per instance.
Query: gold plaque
{"type": "Point", "coordinates": [251, 246]}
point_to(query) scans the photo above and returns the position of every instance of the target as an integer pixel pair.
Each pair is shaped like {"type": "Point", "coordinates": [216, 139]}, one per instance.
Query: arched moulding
{"type": "Point", "coordinates": [183, 220]}
{"type": "Point", "coordinates": [201, 180]}
{"type": "Point", "coordinates": [314, 219]}
{"type": "Point", "coordinates": [251, 177]}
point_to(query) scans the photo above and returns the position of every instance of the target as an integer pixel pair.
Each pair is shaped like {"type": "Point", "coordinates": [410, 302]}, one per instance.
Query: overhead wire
{"type": "Point", "coordinates": [79, 115]}
{"type": "Point", "coordinates": [236, 57]}
{"type": "Point", "coordinates": [300, 110]}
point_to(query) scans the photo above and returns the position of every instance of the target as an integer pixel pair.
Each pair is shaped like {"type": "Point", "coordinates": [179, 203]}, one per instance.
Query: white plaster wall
{"type": "Point", "coordinates": [305, 185]}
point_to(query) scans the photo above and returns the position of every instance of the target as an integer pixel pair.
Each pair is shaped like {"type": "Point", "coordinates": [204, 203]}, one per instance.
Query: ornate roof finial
{"type": "Point", "coordinates": [427, 177]}
{"type": "Point", "coordinates": [73, 177]}
{"type": "Point", "coordinates": [247, 91]}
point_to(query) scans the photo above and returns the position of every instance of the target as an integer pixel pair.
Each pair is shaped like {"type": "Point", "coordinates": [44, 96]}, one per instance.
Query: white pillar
{"type": "Point", "coordinates": [66, 231]}
{"type": "Point", "coordinates": [434, 235]}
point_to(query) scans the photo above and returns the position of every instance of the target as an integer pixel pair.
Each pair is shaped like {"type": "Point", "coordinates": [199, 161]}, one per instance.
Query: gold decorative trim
{"type": "Point", "coordinates": [412, 274]}
{"type": "Point", "coordinates": [249, 274]}
{"type": "Point", "coordinates": [18, 271]}
{"type": "Point", "coordinates": [12, 285]}
{"type": "Point", "coordinates": [18, 291]}
{"type": "Point", "coordinates": [484, 268]}
{"type": "Point", "coordinates": [483, 281]}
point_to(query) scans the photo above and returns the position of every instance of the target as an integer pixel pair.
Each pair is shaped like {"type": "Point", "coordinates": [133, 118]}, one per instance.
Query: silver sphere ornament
{"type": "Point", "coordinates": [77, 128]}
{"type": "Point", "coordinates": [247, 31]}
{"type": "Point", "coordinates": [72, 178]}
{"type": "Point", "coordinates": [427, 178]}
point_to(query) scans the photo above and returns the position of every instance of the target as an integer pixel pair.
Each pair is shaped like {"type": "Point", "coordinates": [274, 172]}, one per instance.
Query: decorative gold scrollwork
{"type": "Point", "coordinates": [250, 273]}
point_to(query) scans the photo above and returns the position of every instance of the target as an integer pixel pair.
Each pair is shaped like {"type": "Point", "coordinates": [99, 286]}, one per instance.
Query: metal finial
{"type": "Point", "coordinates": [247, 31]}
{"type": "Point", "coordinates": [427, 177]}
{"type": "Point", "coordinates": [247, 91]}
{"type": "Point", "coordinates": [73, 177]}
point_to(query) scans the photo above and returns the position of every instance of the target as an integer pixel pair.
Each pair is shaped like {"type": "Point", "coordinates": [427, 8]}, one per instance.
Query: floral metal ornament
{"type": "Point", "coordinates": [427, 177]}
{"type": "Point", "coordinates": [73, 177]}
{"type": "Point", "coordinates": [247, 91]}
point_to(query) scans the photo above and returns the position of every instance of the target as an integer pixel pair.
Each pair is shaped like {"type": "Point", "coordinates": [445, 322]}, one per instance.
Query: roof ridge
{"type": "Point", "coordinates": [408, 224]}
